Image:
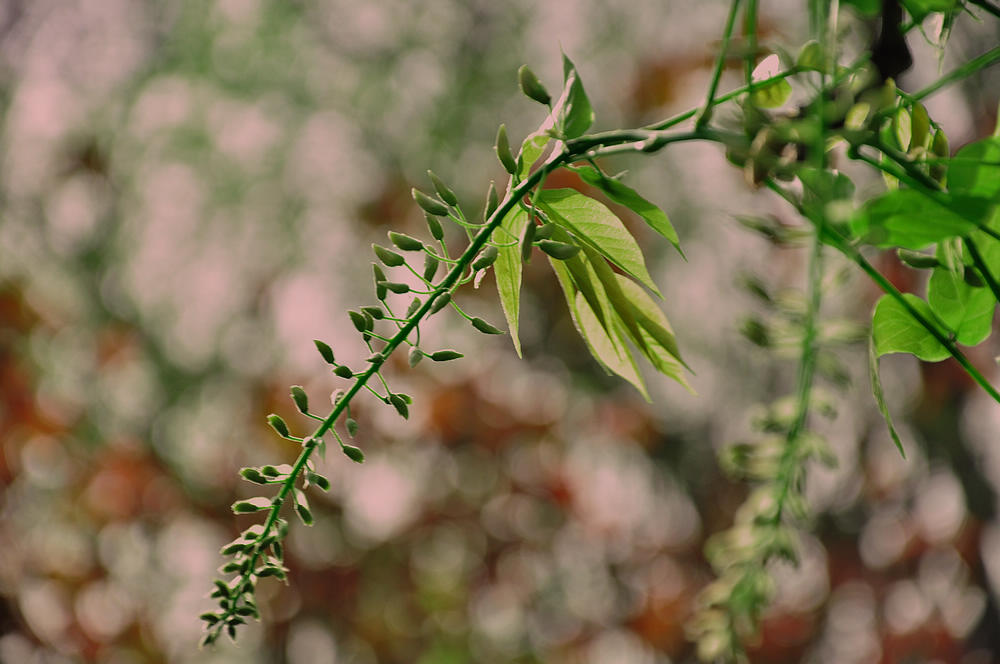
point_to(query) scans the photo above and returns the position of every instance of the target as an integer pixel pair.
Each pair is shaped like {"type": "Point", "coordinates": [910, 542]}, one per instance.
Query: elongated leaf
{"type": "Point", "coordinates": [573, 110]}
{"type": "Point", "coordinates": [606, 346]}
{"type": "Point", "coordinates": [624, 195]}
{"type": "Point", "coordinates": [507, 270]}
{"type": "Point", "coordinates": [906, 218]}
{"type": "Point", "coordinates": [965, 309]}
{"type": "Point", "coordinates": [659, 342]}
{"type": "Point", "coordinates": [594, 224]}
{"type": "Point", "coordinates": [651, 318]}
{"type": "Point", "coordinates": [894, 330]}
{"type": "Point", "coordinates": [613, 295]}
{"type": "Point", "coordinates": [879, 395]}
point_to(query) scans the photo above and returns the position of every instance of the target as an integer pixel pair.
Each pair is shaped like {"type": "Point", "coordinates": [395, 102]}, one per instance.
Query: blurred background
{"type": "Point", "coordinates": [189, 189]}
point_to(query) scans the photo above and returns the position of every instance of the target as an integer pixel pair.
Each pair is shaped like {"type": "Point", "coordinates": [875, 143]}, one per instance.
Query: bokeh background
{"type": "Point", "coordinates": [188, 191]}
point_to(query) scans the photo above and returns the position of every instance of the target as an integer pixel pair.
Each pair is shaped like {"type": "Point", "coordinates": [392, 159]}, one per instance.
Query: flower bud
{"type": "Point", "coordinates": [445, 355]}
{"type": "Point", "coordinates": [300, 398]}
{"type": "Point", "coordinates": [428, 204]}
{"type": "Point", "coordinates": [446, 194]}
{"type": "Point", "coordinates": [430, 267]}
{"type": "Point", "coordinates": [388, 256]}
{"type": "Point", "coordinates": [531, 86]}
{"type": "Point", "coordinates": [486, 257]}
{"type": "Point", "coordinates": [324, 350]}
{"type": "Point", "coordinates": [405, 242]}
{"type": "Point", "coordinates": [354, 453]}
{"type": "Point", "coordinates": [558, 250]}
{"type": "Point", "coordinates": [502, 147]}
{"type": "Point", "coordinates": [485, 327]}
{"type": "Point", "coordinates": [278, 425]}
{"type": "Point", "coordinates": [434, 226]}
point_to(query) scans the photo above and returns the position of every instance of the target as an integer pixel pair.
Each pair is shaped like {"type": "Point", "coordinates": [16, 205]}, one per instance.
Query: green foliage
{"type": "Point", "coordinates": [933, 200]}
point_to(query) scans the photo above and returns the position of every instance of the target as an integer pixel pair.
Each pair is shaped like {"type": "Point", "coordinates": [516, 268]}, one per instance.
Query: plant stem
{"type": "Point", "coordinates": [843, 246]}
{"type": "Point", "coordinates": [361, 381]}
{"type": "Point", "coordinates": [969, 68]}
{"type": "Point", "coordinates": [720, 61]}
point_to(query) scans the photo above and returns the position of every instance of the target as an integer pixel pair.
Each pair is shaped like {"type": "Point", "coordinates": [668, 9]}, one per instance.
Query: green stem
{"type": "Point", "coordinates": [969, 68]}
{"type": "Point", "coordinates": [720, 61]}
{"type": "Point", "coordinates": [807, 370]}
{"type": "Point", "coordinates": [361, 381]}
{"type": "Point", "coordinates": [756, 85]}
{"type": "Point", "coordinates": [843, 246]}
{"type": "Point", "coordinates": [750, 33]}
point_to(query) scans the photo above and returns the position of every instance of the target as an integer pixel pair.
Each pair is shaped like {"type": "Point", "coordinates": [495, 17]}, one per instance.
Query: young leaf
{"type": "Point", "coordinates": [531, 149]}
{"type": "Point", "coordinates": [894, 330]}
{"type": "Point", "coordinates": [873, 374]}
{"type": "Point", "coordinates": [624, 195]}
{"type": "Point", "coordinates": [573, 111]}
{"type": "Point", "coordinates": [909, 219]}
{"type": "Point", "coordinates": [594, 224]}
{"type": "Point", "coordinates": [605, 345]}
{"type": "Point", "coordinates": [965, 309]}
{"type": "Point", "coordinates": [507, 271]}
{"type": "Point", "coordinates": [975, 170]}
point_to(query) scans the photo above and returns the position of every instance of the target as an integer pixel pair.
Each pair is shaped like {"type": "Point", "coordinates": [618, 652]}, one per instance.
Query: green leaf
{"type": "Point", "coordinates": [594, 224]}
{"type": "Point", "coordinates": [879, 395]}
{"type": "Point", "coordinates": [624, 195]}
{"type": "Point", "coordinates": [531, 149]}
{"type": "Point", "coordinates": [507, 271]}
{"type": "Point", "coordinates": [894, 330]}
{"type": "Point", "coordinates": [657, 335]}
{"type": "Point", "coordinates": [909, 219]}
{"type": "Point", "coordinates": [606, 345]}
{"type": "Point", "coordinates": [573, 111]}
{"type": "Point", "coordinates": [975, 170]}
{"type": "Point", "coordinates": [966, 310]}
